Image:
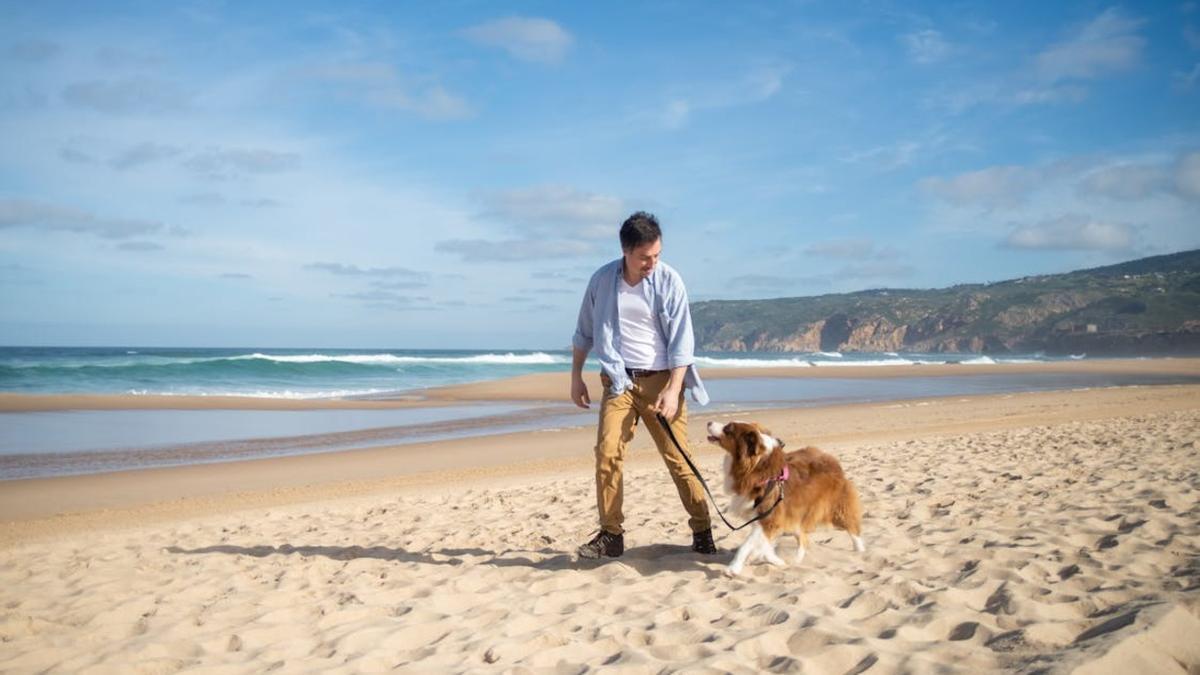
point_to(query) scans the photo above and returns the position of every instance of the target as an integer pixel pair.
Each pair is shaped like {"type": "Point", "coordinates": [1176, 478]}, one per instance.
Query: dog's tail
{"type": "Point", "coordinates": [847, 513]}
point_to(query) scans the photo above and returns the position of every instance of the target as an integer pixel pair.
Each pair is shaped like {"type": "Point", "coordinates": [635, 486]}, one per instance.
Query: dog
{"type": "Point", "coordinates": [814, 491]}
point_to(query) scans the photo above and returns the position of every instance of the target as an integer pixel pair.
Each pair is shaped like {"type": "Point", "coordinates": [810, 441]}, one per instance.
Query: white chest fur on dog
{"type": "Point", "coordinates": [738, 505]}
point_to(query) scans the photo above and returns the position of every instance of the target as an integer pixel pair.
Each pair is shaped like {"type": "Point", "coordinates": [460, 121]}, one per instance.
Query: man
{"type": "Point", "coordinates": [635, 316]}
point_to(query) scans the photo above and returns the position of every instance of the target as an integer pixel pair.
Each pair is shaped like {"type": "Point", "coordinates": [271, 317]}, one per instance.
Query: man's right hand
{"type": "Point", "coordinates": [579, 392]}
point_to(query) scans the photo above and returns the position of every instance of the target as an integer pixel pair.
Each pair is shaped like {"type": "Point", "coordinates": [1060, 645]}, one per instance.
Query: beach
{"type": "Point", "coordinates": [1028, 531]}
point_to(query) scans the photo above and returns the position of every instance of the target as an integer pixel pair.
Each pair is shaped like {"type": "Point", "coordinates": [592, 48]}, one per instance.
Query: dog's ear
{"type": "Point", "coordinates": [781, 445]}
{"type": "Point", "coordinates": [752, 441]}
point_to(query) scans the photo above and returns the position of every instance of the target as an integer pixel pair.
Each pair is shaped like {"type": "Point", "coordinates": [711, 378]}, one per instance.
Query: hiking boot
{"type": "Point", "coordinates": [605, 544]}
{"type": "Point", "coordinates": [702, 542]}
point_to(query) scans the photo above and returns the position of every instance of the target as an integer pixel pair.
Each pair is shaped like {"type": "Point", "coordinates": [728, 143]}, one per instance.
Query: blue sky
{"type": "Point", "coordinates": [415, 175]}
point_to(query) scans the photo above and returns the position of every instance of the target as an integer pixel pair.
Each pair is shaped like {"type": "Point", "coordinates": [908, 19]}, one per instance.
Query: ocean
{"type": "Point", "coordinates": [68, 442]}
{"type": "Point", "coordinates": [340, 373]}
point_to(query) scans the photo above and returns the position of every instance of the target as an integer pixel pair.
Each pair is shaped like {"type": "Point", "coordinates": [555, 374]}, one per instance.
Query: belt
{"type": "Point", "coordinates": [638, 372]}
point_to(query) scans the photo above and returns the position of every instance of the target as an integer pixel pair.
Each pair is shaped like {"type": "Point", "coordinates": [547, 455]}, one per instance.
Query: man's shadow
{"type": "Point", "coordinates": [645, 560]}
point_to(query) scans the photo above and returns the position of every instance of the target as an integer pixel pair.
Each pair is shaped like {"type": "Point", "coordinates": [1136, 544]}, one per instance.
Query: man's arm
{"type": "Point", "coordinates": [579, 391]}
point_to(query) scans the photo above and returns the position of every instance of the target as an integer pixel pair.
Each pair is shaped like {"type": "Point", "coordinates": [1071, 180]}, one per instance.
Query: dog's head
{"type": "Point", "coordinates": [744, 441]}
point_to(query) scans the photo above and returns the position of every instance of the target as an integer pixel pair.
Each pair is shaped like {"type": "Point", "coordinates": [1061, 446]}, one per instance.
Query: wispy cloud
{"type": "Point", "coordinates": [759, 84]}
{"type": "Point", "coordinates": [1187, 175]}
{"type": "Point", "coordinates": [344, 270]}
{"type": "Point", "coordinates": [514, 250]}
{"type": "Point", "coordinates": [528, 39]}
{"type": "Point", "coordinates": [143, 153]}
{"type": "Point", "coordinates": [1126, 182]}
{"type": "Point", "coordinates": [221, 163]}
{"type": "Point", "coordinates": [1107, 44]}
{"type": "Point", "coordinates": [556, 211]}
{"type": "Point", "coordinates": [542, 221]}
{"type": "Point", "coordinates": [140, 246]}
{"type": "Point", "coordinates": [131, 96]}
{"type": "Point", "coordinates": [993, 187]}
{"type": "Point", "coordinates": [926, 46]}
{"type": "Point", "coordinates": [33, 51]}
{"type": "Point", "coordinates": [852, 249]}
{"type": "Point", "coordinates": [121, 57]}
{"type": "Point", "coordinates": [1072, 232]}
{"type": "Point", "coordinates": [380, 85]}
{"type": "Point", "coordinates": [36, 214]}
{"type": "Point", "coordinates": [1186, 82]}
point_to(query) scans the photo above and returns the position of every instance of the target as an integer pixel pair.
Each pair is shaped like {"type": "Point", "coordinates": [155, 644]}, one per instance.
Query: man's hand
{"type": "Point", "coordinates": [579, 392]}
{"type": "Point", "coordinates": [667, 404]}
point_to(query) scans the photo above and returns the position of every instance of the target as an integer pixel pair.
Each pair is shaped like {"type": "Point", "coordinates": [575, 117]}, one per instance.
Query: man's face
{"type": "Point", "coordinates": [640, 261]}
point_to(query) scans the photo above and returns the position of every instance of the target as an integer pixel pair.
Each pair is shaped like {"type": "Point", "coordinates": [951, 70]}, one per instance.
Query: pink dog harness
{"type": "Point", "coordinates": [781, 478]}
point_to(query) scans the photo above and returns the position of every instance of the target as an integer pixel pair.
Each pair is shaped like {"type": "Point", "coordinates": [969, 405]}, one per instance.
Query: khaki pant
{"type": "Point", "coordinates": [619, 415]}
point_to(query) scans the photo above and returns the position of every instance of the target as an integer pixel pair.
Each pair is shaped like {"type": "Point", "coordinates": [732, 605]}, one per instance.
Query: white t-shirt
{"type": "Point", "coordinates": [642, 346]}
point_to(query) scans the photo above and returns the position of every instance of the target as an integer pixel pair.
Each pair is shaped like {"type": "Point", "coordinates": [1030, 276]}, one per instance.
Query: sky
{"type": "Point", "coordinates": [448, 175]}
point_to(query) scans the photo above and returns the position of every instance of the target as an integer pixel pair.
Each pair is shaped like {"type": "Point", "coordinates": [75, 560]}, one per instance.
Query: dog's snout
{"type": "Point", "coordinates": [715, 429]}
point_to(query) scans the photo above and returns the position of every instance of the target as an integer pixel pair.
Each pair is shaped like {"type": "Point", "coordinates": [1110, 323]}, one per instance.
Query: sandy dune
{"type": "Point", "coordinates": [1048, 544]}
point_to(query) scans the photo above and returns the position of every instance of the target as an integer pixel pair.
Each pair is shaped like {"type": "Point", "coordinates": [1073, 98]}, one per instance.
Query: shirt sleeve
{"type": "Point", "coordinates": [582, 340]}
{"type": "Point", "coordinates": [680, 339]}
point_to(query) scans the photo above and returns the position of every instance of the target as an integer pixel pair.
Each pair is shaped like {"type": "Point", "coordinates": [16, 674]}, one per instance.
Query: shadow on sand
{"type": "Point", "coordinates": [645, 560]}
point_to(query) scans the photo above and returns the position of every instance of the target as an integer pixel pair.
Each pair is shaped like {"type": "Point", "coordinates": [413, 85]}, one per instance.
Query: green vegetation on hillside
{"type": "Point", "coordinates": [1150, 305]}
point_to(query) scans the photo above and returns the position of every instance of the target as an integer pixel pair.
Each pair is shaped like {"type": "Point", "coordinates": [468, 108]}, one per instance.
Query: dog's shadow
{"type": "Point", "coordinates": [645, 560]}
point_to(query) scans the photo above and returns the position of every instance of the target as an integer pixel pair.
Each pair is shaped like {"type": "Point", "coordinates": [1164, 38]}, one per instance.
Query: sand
{"type": "Point", "coordinates": [1025, 532]}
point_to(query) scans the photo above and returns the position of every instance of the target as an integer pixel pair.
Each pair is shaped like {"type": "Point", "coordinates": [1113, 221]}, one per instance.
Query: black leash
{"type": "Point", "coordinates": [663, 421]}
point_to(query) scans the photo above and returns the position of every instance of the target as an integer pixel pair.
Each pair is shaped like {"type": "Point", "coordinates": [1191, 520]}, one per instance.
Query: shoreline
{"type": "Point", "coordinates": [554, 386]}
{"type": "Point", "coordinates": [39, 507]}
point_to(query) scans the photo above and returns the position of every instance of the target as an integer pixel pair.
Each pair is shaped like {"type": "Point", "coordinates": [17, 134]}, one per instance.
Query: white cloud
{"type": "Point", "coordinates": [36, 214]}
{"type": "Point", "coordinates": [528, 39]}
{"type": "Point", "coordinates": [1109, 43]}
{"type": "Point", "coordinates": [994, 187]}
{"type": "Point", "coordinates": [926, 46]}
{"type": "Point", "coordinates": [1072, 233]}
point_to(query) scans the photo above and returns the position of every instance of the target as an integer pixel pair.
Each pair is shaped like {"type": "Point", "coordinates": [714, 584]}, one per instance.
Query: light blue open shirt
{"type": "Point", "coordinates": [598, 326]}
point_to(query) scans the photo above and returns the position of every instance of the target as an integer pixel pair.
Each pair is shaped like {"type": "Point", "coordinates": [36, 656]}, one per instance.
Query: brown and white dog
{"type": "Point", "coordinates": [815, 491]}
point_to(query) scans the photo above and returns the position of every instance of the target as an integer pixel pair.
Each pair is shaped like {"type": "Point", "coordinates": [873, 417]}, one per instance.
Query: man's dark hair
{"type": "Point", "coordinates": [639, 229]}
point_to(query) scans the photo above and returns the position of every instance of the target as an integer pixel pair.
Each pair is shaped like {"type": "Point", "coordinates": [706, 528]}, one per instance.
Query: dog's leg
{"type": "Point", "coordinates": [769, 553]}
{"type": "Point", "coordinates": [859, 547]}
{"type": "Point", "coordinates": [801, 546]}
{"type": "Point", "coordinates": [749, 547]}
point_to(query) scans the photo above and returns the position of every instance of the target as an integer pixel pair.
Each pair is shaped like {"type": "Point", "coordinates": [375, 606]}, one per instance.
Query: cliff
{"type": "Point", "coordinates": [1146, 306]}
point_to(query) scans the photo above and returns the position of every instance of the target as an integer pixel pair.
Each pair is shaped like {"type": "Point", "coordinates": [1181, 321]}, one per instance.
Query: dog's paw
{"type": "Point", "coordinates": [732, 572]}
{"type": "Point", "coordinates": [776, 561]}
